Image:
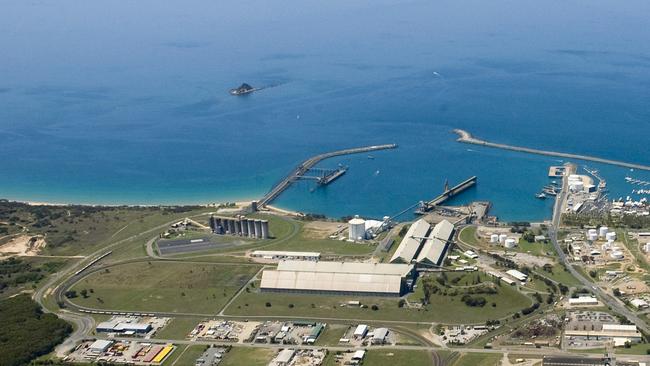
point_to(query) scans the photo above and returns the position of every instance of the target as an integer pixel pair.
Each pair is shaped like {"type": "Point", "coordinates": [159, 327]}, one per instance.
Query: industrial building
{"type": "Point", "coordinates": [574, 361]}
{"type": "Point", "coordinates": [240, 226]}
{"type": "Point", "coordinates": [281, 255]}
{"type": "Point", "coordinates": [374, 279]}
{"type": "Point", "coordinates": [360, 229]}
{"type": "Point", "coordinates": [618, 333]}
{"type": "Point", "coordinates": [122, 327]}
{"type": "Point", "coordinates": [522, 277]}
{"type": "Point", "coordinates": [423, 244]}
{"type": "Point", "coordinates": [583, 301]}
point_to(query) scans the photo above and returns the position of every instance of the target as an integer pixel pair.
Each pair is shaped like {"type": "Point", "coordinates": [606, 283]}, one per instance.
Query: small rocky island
{"type": "Point", "coordinates": [243, 89]}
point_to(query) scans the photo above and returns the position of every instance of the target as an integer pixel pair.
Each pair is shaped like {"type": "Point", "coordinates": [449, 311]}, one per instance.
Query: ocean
{"type": "Point", "coordinates": [127, 102]}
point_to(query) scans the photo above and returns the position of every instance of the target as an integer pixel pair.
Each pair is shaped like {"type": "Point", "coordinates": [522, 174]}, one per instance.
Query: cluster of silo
{"type": "Point", "coordinates": [240, 226]}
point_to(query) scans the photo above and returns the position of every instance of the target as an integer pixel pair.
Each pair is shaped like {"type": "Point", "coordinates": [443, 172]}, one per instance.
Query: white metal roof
{"type": "Point", "coordinates": [619, 328]}
{"type": "Point", "coordinates": [411, 243]}
{"type": "Point", "coordinates": [380, 333]}
{"type": "Point", "coordinates": [285, 355]}
{"type": "Point", "coordinates": [279, 253]}
{"type": "Point", "coordinates": [100, 344]}
{"type": "Point", "coordinates": [331, 281]}
{"type": "Point", "coordinates": [518, 275]}
{"type": "Point", "coordinates": [361, 330]}
{"type": "Point", "coordinates": [442, 230]}
{"type": "Point", "coordinates": [432, 251]}
{"type": "Point", "coordinates": [358, 355]}
{"type": "Point", "coordinates": [583, 300]}
{"type": "Point", "coordinates": [345, 267]}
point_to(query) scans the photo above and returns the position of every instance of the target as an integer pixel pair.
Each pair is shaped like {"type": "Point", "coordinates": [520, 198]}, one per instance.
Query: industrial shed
{"type": "Point", "coordinates": [434, 248]}
{"type": "Point", "coordinates": [411, 243]}
{"type": "Point", "coordinates": [337, 278]}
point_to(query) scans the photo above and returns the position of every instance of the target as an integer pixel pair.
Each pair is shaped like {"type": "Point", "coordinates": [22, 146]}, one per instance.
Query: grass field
{"type": "Point", "coordinates": [539, 249]}
{"type": "Point", "coordinates": [479, 359]}
{"type": "Point", "coordinates": [178, 328]}
{"type": "Point", "coordinates": [239, 356]}
{"type": "Point", "coordinates": [164, 286]}
{"type": "Point", "coordinates": [185, 355]}
{"type": "Point", "coordinates": [331, 335]}
{"type": "Point", "coordinates": [325, 246]}
{"type": "Point", "coordinates": [393, 357]}
{"type": "Point", "coordinates": [468, 235]}
{"type": "Point", "coordinates": [445, 309]}
{"type": "Point", "coordinates": [635, 349]}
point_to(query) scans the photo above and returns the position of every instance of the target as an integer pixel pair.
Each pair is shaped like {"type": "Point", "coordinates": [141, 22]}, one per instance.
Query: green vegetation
{"type": "Point", "coordinates": [331, 335]}
{"type": "Point", "coordinates": [445, 308]}
{"type": "Point", "coordinates": [393, 357]}
{"type": "Point", "coordinates": [18, 274]}
{"type": "Point", "coordinates": [468, 235]}
{"type": "Point", "coordinates": [74, 229]}
{"type": "Point", "coordinates": [27, 332]}
{"type": "Point", "coordinates": [178, 328]}
{"type": "Point", "coordinates": [479, 359]}
{"type": "Point", "coordinates": [185, 355]}
{"type": "Point", "coordinates": [163, 286]}
{"type": "Point", "coordinates": [238, 356]}
{"type": "Point", "coordinates": [634, 349]}
{"type": "Point", "coordinates": [326, 246]}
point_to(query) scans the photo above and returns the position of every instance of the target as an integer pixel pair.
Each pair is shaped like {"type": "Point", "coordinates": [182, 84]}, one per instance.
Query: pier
{"type": "Point", "coordinates": [300, 172]}
{"type": "Point", "coordinates": [466, 137]}
{"type": "Point", "coordinates": [447, 194]}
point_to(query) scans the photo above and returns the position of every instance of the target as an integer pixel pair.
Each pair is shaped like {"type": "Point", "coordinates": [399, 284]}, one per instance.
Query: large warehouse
{"type": "Point", "coordinates": [373, 279]}
{"type": "Point", "coordinates": [424, 245]}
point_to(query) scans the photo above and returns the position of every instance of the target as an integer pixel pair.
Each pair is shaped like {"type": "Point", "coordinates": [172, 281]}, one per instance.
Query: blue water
{"type": "Point", "coordinates": [126, 102]}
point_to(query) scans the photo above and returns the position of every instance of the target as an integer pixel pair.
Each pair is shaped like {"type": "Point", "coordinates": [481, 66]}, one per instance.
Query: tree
{"type": "Point", "coordinates": [84, 293]}
{"type": "Point", "coordinates": [70, 294]}
{"type": "Point", "coordinates": [268, 304]}
{"type": "Point", "coordinates": [374, 307]}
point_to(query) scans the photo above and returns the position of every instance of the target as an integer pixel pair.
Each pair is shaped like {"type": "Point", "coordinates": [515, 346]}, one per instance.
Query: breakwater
{"type": "Point", "coordinates": [466, 137]}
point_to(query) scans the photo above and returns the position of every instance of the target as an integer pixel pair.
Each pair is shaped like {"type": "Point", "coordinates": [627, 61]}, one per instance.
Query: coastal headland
{"type": "Point", "coordinates": [466, 137]}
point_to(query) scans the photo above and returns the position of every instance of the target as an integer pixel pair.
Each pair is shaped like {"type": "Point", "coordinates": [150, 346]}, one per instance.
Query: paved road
{"type": "Point", "coordinates": [607, 299]}
{"type": "Point", "coordinates": [83, 325]}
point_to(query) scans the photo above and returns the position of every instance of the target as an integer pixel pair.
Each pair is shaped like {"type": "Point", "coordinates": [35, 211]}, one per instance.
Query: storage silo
{"type": "Point", "coordinates": [244, 226]}
{"type": "Point", "coordinates": [265, 229]}
{"type": "Point", "coordinates": [258, 228]}
{"type": "Point", "coordinates": [357, 228]}
{"type": "Point", "coordinates": [494, 238]}
{"type": "Point", "coordinates": [237, 227]}
{"type": "Point", "coordinates": [251, 228]}
{"type": "Point", "coordinates": [502, 238]}
{"type": "Point", "coordinates": [231, 226]}
{"type": "Point", "coordinates": [213, 224]}
{"type": "Point", "coordinates": [510, 243]}
{"type": "Point", "coordinates": [611, 236]}
{"type": "Point", "coordinates": [219, 226]}
{"type": "Point", "coordinates": [603, 231]}
{"type": "Point", "coordinates": [646, 248]}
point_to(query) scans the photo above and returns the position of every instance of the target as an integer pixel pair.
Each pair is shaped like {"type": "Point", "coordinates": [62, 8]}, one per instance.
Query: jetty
{"type": "Point", "coordinates": [425, 207]}
{"type": "Point", "coordinates": [301, 170]}
{"type": "Point", "coordinates": [466, 137]}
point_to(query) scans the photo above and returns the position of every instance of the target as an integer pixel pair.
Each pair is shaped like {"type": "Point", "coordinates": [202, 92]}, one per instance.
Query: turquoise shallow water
{"type": "Point", "coordinates": [127, 102]}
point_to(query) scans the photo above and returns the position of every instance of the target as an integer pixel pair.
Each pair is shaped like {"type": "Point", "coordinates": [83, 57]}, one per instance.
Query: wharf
{"type": "Point", "coordinates": [466, 137]}
{"type": "Point", "coordinates": [447, 194]}
{"type": "Point", "coordinates": [301, 169]}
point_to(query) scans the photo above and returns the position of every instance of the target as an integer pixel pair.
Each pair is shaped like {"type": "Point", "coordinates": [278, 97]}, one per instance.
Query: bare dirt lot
{"type": "Point", "coordinates": [23, 245]}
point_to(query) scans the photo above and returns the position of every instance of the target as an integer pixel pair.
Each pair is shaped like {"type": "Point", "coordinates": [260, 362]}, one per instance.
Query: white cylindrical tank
{"type": "Point", "coordinates": [646, 248]}
{"type": "Point", "coordinates": [610, 236]}
{"type": "Point", "coordinates": [494, 238]}
{"type": "Point", "coordinates": [357, 228]}
{"type": "Point", "coordinates": [603, 231]}
{"type": "Point", "coordinates": [592, 231]}
{"type": "Point", "coordinates": [617, 254]}
{"type": "Point", "coordinates": [510, 243]}
{"type": "Point", "coordinates": [502, 238]}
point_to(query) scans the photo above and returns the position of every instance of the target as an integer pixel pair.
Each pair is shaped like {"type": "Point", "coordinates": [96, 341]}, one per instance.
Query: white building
{"type": "Point", "coordinates": [522, 277]}
{"type": "Point", "coordinates": [639, 303]}
{"type": "Point", "coordinates": [360, 331]}
{"type": "Point", "coordinates": [411, 243]}
{"type": "Point", "coordinates": [377, 279]}
{"type": "Point", "coordinates": [435, 246]}
{"type": "Point", "coordinates": [357, 229]}
{"type": "Point", "coordinates": [583, 301]}
{"type": "Point", "coordinates": [379, 336]}
{"type": "Point", "coordinates": [100, 346]}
